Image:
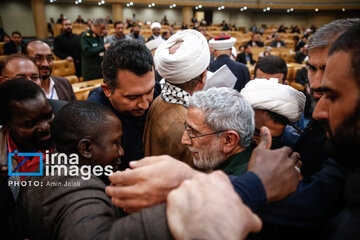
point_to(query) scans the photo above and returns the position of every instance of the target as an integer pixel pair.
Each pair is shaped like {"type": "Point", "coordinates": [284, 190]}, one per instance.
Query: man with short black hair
{"type": "Point", "coordinates": [119, 33]}
{"type": "Point", "coordinates": [271, 67]}
{"type": "Point", "coordinates": [128, 89]}
{"type": "Point", "coordinates": [67, 46]}
{"type": "Point", "coordinates": [56, 88]}
{"type": "Point", "coordinates": [246, 56]}
{"type": "Point", "coordinates": [15, 44]}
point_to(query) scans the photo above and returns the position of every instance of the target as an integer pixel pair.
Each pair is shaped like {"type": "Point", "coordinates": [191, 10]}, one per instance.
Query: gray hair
{"type": "Point", "coordinates": [99, 21]}
{"type": "Point", "coordinates": [226, 109]}
{"type": "Point", "coordinates": [328, 33]}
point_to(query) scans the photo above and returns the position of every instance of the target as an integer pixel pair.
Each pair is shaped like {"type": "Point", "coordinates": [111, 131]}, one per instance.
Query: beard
{"type": "Point", "coordinates": [345, 140]}
{"type": "Point", "coordinates": [210, 157]}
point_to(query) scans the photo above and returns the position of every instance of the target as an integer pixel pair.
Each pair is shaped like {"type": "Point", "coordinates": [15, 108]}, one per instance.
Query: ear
{"type": "Point", "coordinates": [85, 147]}
{"type": "Point", "coordinates": [106, 89]}
{"type": "Point", "coordinates": [230, 141]}
{"type": "Point", "coordinates": [203, 77]}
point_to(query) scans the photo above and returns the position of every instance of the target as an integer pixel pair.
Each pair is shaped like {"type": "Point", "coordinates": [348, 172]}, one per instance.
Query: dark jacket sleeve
{"type": "Point", "coordinates": [250, 189]}
{"type": "Point", "coordinates": [150, 223]}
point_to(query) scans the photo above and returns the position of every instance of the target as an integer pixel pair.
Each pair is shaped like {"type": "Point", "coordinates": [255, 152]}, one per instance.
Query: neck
{"type": "Point", "coordinates": [45, 84]}
{"type": "Point", "coordinates": [236, 150]}
{"type": "Point", "coordinates": [119, 35]}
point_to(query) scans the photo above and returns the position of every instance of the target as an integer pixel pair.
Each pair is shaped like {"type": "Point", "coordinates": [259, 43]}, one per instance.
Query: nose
{"type": "Point", "coordinates": [144, 102]}
{"type": "Point", "coordinates": [121, 151]}
{"type": "Point", "coordinates": [321, 112]}
{"type": "Point", "coordinates": [185, 139]}
{"type": "Point", "coordinates": [315, 78]}
{"type": "Point", "coordinates": [44, 126]}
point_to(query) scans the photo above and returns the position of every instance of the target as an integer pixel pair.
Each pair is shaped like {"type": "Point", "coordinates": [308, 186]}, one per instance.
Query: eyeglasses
{"type": "Point", "coordinates": [32, 77]}
{"type": "Point", "coordinates": [202, 135]}
{"type": "Point", "coordinates": [40, 58]}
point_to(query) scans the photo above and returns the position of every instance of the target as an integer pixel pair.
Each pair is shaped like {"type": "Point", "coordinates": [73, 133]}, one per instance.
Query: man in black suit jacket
{"type": "Point", "coordinates": [54, 87]}
{"type": "Point", "coordinates": [222, 50]}
{"type": "Point", "coordinates": [246, 56]}
{"type": "Point", "coordinates": [15, 45]}
{"type": "Point", "coordinates": [67, 46]}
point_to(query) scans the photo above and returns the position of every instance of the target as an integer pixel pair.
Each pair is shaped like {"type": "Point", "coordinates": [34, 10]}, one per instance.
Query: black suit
{"type": "Point", "coordinates": [69, 45]}
{"type": "Point", "coordinates": [10, 47]}
{"type": "Point", "coordinates": [241, 57]}
{"type": "Point", "coordinates": [238, 69]}
{"type": "Point", "coordinates": [299, 45]}
{"type": "Point", "coordinates": [255, 43]}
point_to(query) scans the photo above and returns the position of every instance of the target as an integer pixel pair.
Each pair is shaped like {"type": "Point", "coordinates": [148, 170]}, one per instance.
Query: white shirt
{"type": "Point", "coordinates": [52, 91]}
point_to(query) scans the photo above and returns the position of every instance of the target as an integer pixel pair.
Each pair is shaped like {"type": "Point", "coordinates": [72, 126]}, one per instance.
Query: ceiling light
{"type": "Point", "coordinates": [153, 4]}
{"type": "Point", "coordinates": [102, 2]}
{"type": "Point", "coordinates": [245, 7]}
{"type": "Point", "coordinates": [316, 9]}
{"type": "Point", "coordinates": [268, 8]}
{"type": "Point", "coordinates": [200, 6]}
{"type": "Point", "coordinates": [196, 7]}
{"type": "Point", "coordinates": [241, 9]}
{"type": "Point", "coordinates": [76, 2]}
{"type": "Point", "coordinates": [174, 5]}
{"type": "Point", "coordinates": [222, 7]}
{"type": "Point", "coordinates": [343, 9]}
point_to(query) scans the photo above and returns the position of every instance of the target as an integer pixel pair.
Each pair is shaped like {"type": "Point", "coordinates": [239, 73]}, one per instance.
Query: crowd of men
{"type": "Point", "coordinates": [203, 152]}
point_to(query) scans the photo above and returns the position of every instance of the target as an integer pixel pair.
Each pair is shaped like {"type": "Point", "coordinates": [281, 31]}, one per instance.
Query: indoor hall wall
{"type": "Point", "coordinates": [154, 14]}
{"type": "Point", "coordinates": [17, 16]}
{"type": "Point", "coordinates": [71, 11]}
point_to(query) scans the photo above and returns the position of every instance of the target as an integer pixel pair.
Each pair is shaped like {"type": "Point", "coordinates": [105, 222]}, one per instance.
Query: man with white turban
{"type": "Point", "coordinates": [181, 61]}
{"type": "Point", "coordinates": [276, 106]}
{"type": "Point", "coordinates": [222, 46]}
{"type": "Point", "coordinates": [155, 28]}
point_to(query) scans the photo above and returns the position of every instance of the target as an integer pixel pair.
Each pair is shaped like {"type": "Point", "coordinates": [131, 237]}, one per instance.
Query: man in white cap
{"type": "Point", "coordinates": [222, 46]}
{"type": "Point", "coordinates": [276, 106]}
{"type": "Point", "coordinates": [181, 61]}
{"type": "Point", "coordinates": [155, 28]}
{"type": "Point", "coordinates": [154, 44]}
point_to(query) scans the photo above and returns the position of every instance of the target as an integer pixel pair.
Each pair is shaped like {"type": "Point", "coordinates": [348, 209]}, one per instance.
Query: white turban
{"type": "Point", "coordinates": [189, 60]}
{"type": "Point", "coordinates": [275, 97]}
{"type": "Point", "coordinates": [155, 25]}
{"type": "Point", "coordinates": [222, 44]}
{"type": "Point", "coordinates": [155, 43]}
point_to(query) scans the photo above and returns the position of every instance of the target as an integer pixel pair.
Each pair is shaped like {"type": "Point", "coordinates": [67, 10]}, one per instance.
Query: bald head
{"type": "Point", "coordinates": [41, 54]}
{"type": "Point", "coordinates": [19, 66]}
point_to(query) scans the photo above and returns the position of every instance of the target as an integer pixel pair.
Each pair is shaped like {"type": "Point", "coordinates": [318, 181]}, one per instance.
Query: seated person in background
{"type": "Point", "coordinates": [218, 130]}
{"type": "Point", "coordinates": [246, 56]}
{"type": "Point", "coordinates": [57, 88]}
{"type": "Point", "coordinates": [67, 46]}
{"type": "Point", "coordinates": [277, 42]}
{"type": "Point", "coordinates": [300, 56]}
{"type": "Point", "coordinates": [255, 41]}
{"type": "Point", "coordinates": [15, 45]}
{"type": "Point", "coordinates": [25, 117]}
{"type": "Point", "coordinates": [79, 20]}
{"type": "Point", "coordinates": [181, 61]}
{"type": "Point", "coordinates": [266, 52]}
{"type": "Point", "coordinates": [271, 67]}
{"type": "Point", "coordinates": [276, 106]}
{"type": "Point", "coordinates": [298, 43]}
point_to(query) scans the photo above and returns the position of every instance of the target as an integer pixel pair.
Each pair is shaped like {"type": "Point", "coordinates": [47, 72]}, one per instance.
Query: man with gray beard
{"type": "Point", "coordinates": [218, 130]}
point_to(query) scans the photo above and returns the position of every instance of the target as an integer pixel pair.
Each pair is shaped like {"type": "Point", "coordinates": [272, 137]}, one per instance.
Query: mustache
{"type": "Point", "coordinates": [44, 68]}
